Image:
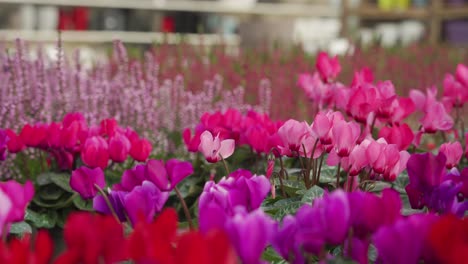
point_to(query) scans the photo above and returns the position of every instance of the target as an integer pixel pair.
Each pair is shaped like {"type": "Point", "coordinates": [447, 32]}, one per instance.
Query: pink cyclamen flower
{"type": "Point", "coordinates": [345, 135]}
{"type": "Point", "coordinates": [328, 68]}
{"type": "Point", "coordinates": [436, 118]}
{"type": "Point", "coordinates": [83, 180]}
{"type": "Point", "coordinates": [455, 92]}
{"type": "Point", "coordinates": [358, 158]}
{"type": "Point", "coordinates": [119, 147]}
{"type": "Point", "coordinates": [453, 152]}
{"type": "Point", "coordinates": [141, 149]}
{"type": "Point", "coordinates": [402, 136]}
{"type": "Point", "coordinates": [292, 134]}
{"type": "Point", "coordinates": [362, 102]}
{"type": "Point", "coordinates": [20, 196]}
{"type": "Point", "coordinates": [4, 210]}
{"type": "Point", "coordinates": [215, 149]}
{"type": "Point", "coordinates": [95, 152]}
{"type": "Point", "coordinates": [323, 122]}
{"type": "Point", "coordinates": [461, 74]}
{"type": "Point", "coordinates": [362, 77]}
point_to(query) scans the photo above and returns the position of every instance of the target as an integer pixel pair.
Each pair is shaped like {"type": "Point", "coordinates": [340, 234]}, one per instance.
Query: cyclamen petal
{"type": "Point", "coordinates": [20, 196]}
{"type": "Point", "coordinates": [214, 149]}
{"type": "Point", "coordinates": [144, 201]}
{"type": "Point", "coordinates": [84, 179]}
{"type": "Point", "coordinates": [258, 227]}
{"type": "Point", "coordinates": [453, 152]}
{"type": "Point", "coordinates": [4, 210]}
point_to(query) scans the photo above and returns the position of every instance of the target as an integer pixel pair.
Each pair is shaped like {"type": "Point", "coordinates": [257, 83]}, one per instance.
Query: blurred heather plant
{"type": "Point", "coordinates": [132, 91]}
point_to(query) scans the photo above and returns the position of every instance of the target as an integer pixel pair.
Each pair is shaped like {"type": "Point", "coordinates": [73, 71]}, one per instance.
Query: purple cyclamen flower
{"type": "Point", "coordinates": [405, 242]}
{"type": "Point", "coordinates": [167, 176]}
{"type": "Point", "coordinates": [432, 186]}
{"type": "Point", "coordinates": [84, 179]}
{"type": "Point", "coordinates": [116, 198]}
{"type": "Point", "coordinates": [144, 202]}
{"type": "Point", "coordinates": [425, 172]}
{"type": "Point", "coordinates": [164, 175]}
{"type": "Point", "coordinates": [250, 234]}
{"type": "Point", "coordinates": [327, 221]}
{"type": "Point", "coordinates": [285, 243]}
{"type": "Point", "coordinates": [369, 211]}
{"type": "Point", "coordinates": [3, 144]}
{"type": "Point", "coordinates": [245, 190]}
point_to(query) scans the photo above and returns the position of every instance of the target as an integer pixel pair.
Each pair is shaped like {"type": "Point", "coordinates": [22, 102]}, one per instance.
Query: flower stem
{"type": "Point", "coordinates": [184, 206]}
{"type": "Point", "coordinates": [317, 176]}
{"type": "Point", "coordinates": [281, 176]}
{"type": "Point", "coordinates": [106, 198]}
{"type": "Point", "coordinates": [338, 175]}
{"type": "Point", "coordinates": [225, 166]}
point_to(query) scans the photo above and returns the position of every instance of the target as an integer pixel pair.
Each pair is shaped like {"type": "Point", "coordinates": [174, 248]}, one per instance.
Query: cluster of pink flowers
{"type": "Point", "coordinates": [71, 138]}
{"type": "Point", "coordinates": [254, 129]}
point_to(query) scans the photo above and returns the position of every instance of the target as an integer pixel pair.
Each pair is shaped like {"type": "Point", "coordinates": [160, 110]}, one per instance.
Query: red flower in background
{"type": "Point", "coordinates": [26, 251]}
{"type": "Point", "coordinates": [92, 239]}
{"type": "Point", "coordinates": [158, 242]}
{"type": "Point", "coordinates": [449, 239]}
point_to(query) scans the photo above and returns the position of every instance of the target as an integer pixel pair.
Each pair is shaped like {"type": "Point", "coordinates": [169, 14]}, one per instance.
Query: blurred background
{"type": "Point", "coordinates": [334, 25]}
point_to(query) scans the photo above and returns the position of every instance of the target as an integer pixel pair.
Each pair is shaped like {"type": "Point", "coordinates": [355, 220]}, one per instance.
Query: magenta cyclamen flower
{"type": "Point", "coordinates": [215, 149]}
{"type": "Point", "coordinates": [164, 175]}
{"type": "Point", "coordinates": [362, 102]}
{"type": "Point", "coordinates": [95, 152]}
{"type": "Point", "coordinates": [328, 68]}
{"type": "Point", "coordinates": [453, 152]}
{"type": "Point", "coordinates": [84, 179]}
{"type": "Point", "coordinates": [369, 212]}
{"type": "Point", "coordinates": [20, 196]}
{"type": "Point", "coordinates": [406, 241]}
{"type": "Point", "coordinates": [326, 222]}
{"type": "Point", "coordinates": [119, 147]}
{"type": "Point", "coordinates": [4, 210]}
{"type": "Point", "coordinates": [167, 176]}
{"type": "Point", "coordinates": [257, 226]}
{"type": "Point", "coordinates": [400, 135]}
{"type": "Point", "coordinates": [141, 203]}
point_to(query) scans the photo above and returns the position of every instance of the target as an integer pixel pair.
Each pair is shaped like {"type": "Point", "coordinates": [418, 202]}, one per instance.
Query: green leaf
{"type": "Point", "coordinates": [41, 220]}
{"type": "Point", "coordinates": [271, 256]}
{"type": "Point", "coordinates": [379, 186]}
{"type": "Point", "coordinates": [328, 174]}
{"type": "Point", "coordinates": [20, 228]}
{"type": "Point", "coordinates": [401, 181]}
{"type": "Point", "coordinates": [291, 186]}
{"type": "Point", "coordinates": [50, 192]}
{"type": "Point", "coordinates": [289, 209]}
{"type": "Point", "coordinates": [43, 179]}
{"type": "Point", "coordinates": [83, 204]}
{"type": "Point", "coordinates": [311, 194]}
{"type": "Point", "coordinates": [62, 180]}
